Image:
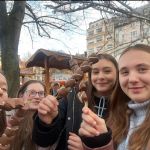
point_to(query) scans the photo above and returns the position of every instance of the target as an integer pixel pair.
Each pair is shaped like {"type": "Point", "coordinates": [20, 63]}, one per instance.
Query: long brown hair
{"type": "Point", "coordinates": [23, 138]}
{"type": "Point", "coordinates": [120, 113]}
{"type": "Point", "coordinates": [91, 89]}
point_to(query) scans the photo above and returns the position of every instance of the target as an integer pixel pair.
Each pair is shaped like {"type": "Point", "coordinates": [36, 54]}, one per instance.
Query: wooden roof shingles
{"type": "Point", "coordinates": [55, 59]}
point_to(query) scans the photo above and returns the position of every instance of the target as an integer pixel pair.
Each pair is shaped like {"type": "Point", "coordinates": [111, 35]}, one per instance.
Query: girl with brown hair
{"type": "Point", "coordinates": [34, 91]}
{"type": "Point", "coordinates": [129, 116]}
{"type": "Point", "coordinates": [65, 117]}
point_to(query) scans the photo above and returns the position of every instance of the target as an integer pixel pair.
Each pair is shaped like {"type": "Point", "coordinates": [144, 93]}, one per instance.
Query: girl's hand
{"type": "Point", "coordinates": [48, 109]}
{"type": "Point", "coordinates": [74, 142]}
{"type": "Point", "coordinates": [92, 125]}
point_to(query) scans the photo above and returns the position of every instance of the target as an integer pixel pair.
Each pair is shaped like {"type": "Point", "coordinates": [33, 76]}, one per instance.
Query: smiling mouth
{"type": "Point", "coordinates": [101, 83]}
{"type": "Point", "coordinates": [134, 88]}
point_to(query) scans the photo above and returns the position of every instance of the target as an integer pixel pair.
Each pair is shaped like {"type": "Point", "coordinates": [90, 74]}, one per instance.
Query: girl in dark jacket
{"type": "Point", "coordinates": [59, 122]}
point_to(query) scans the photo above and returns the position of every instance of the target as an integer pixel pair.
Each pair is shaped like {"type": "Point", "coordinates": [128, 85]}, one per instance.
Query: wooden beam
{"type": "Point", "coordinates": [46, 75]}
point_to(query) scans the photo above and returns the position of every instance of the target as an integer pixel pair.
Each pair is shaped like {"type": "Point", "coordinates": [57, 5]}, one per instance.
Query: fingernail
{"type": "Point", "coordinates": [97, 133]}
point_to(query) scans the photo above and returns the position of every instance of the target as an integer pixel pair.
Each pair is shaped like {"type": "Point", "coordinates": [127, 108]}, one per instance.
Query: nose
{"type": "Point", "coordinates": [101, 75]}
{"type": "Point", "coordinates": [133, 77]}
{"type": "Point", "coordinates": [37, 95]}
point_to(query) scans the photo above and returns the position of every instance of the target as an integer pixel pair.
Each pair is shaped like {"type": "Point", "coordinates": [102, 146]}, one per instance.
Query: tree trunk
{"type": "Point", "coordinates": [10, 27]}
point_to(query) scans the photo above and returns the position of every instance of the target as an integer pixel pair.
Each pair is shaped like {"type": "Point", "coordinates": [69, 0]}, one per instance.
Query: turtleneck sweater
{"type": "Point", "coordinates": [136, 120]}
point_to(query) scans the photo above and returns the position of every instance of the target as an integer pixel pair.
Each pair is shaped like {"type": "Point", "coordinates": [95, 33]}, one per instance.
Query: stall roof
{"type": "Point", "coordinates": [55, 59]}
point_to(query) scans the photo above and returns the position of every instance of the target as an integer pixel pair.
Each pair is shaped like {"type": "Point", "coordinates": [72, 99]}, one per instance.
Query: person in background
{"type": "Point", "coordinates": [60, 121]}
{"type": "Point", "coordinates": [54, 88]}
{"type": "Point", "coordinates": [33, 91]}
{"type": "Point", "coordinates": [129, 116]}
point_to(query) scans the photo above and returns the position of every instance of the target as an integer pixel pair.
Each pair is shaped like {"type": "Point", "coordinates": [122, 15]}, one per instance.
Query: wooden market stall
{"type": "Point", "coordinates": [51, 59]}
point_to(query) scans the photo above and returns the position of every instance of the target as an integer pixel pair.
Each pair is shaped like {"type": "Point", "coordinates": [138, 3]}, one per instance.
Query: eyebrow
{"type": "Point", "coordinates": [139, 65]}
{"type": "Point", "coordinates": [103, 68]}
{"type": "Point", "coordinates": [123, 68]}
{"type": "Point", "coordinates": [143, 64]}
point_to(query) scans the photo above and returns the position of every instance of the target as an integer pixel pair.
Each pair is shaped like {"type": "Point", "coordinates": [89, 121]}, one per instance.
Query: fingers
{"type": "Point", "coordinates": [92, 125]}
{"type": "Point", "coordinates": [74, 137]}
{"type": "Point", "coordinates": [91, 114]}
{"type": "Point", "coordinates": [47, 105]}
{"type": "Point", "coordinates": [88, 119]}
{"type": "Point", "coordinates": [74, 142]}
{"type": "Point", "coordinates": [88, 130]}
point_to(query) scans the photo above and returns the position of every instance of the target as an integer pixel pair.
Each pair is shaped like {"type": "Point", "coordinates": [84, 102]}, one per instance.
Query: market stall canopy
{"type": "Point", "coordinates": [54, 59]}
{"type": "Point", "coordinates": [51, 59]}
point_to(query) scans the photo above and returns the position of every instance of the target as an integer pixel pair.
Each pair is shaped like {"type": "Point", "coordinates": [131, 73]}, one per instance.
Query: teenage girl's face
{"type": "Point", "coordinates": [134, 75]}
{"type": "Point", "coordinates": [103, 77]}
{"type": "Point", "coordinates": [3, 87]}
{"type": "Point", "coordinates": [34, 92]}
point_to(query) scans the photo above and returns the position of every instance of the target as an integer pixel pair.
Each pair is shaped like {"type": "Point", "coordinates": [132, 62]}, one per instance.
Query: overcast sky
{"type": "Point", "coordinates": [69, 41]}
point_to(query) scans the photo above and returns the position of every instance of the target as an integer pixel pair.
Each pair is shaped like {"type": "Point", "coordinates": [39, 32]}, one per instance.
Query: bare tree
{"type": "Point", "coordinates": [10, 27]}
{"type": "Point", "coordinates": [116, 8]}
{"type": "Point", "coordinates": [11, 21]}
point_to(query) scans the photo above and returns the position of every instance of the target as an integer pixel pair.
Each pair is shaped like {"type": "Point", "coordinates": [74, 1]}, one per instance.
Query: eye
{"type": "Point", "coordinates": [41, 93]}
{"type": "Point", "coordinates": [124, 72]}
{"type": "Point", "coordinates": [95, 71]}
{"type": "Point", "coordinates": [32, 92]}
{"type": "Point", "coordinates": [4, 89]}
{"type": "Point", "coordinates": [107, 71]}
{"type": "Point", "coordinates": [142, 70]}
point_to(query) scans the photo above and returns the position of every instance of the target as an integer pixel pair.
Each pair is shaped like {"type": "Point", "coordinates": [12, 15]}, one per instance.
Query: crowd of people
{"type": "Point", "coordinates": [117, 116]}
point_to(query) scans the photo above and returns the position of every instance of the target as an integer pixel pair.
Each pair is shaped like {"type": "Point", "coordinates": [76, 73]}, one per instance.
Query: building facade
{"type": "Point", "coordinates": [115, 34]}
{"type": "Point", "coordinates": [100, 36]}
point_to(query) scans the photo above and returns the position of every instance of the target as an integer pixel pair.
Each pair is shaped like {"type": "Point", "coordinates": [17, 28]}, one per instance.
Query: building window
{"type": "Point", "coordinates": [98, 38]}
{"type": "Point", "coordinates": [134, 35]}
{"type": "Point", "coordinates": [96, 24]}
{"type": "Point", "coordinates": [90, 33]}
{"type": "Point", "coordinates": [90, 43]}
{"type": "Point", "coordinates": [146, 31]}
{"type": "Point", "coordinates": [109, 46]}
{"type": "Point", "coordinates": [98, 30]}
{"type": "Point", "coordinates": [146, 11]}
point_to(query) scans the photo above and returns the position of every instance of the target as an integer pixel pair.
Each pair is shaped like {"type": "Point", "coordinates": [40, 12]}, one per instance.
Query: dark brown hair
{"type": "Point", "coordinates": [26, 84]}
{"type": "Point", "coordinates": [120, 113]}
{"type": "Point", "coordinates": [91, 89]}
